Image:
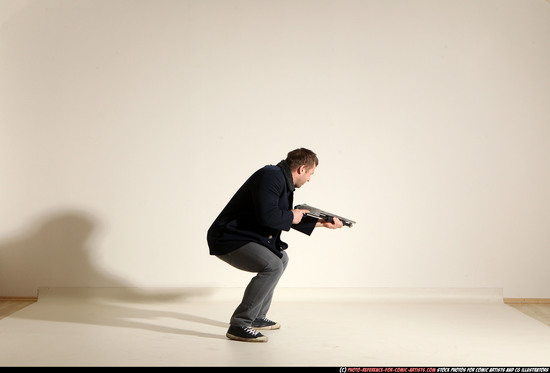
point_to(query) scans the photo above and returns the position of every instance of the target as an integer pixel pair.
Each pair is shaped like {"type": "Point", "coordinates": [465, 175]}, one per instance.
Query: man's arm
{"type": "Point", "coordinates": [266, 195]}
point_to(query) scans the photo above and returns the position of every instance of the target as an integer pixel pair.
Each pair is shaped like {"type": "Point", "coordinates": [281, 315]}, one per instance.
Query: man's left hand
{"type": "Point", "coordinates": [337, 223]}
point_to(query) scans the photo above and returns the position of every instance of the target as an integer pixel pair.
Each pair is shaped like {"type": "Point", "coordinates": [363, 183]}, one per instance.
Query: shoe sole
{"type": "Point", "coordinates": [268, 327]}
{"type": "Point", "coordinates": [236, 338]}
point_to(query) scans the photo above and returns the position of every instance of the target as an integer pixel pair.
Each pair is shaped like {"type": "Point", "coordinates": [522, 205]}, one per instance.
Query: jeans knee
{"type": "Point", "coordinates": [284, 259]}
{"type": "Point", "coordinates": [275, 267]}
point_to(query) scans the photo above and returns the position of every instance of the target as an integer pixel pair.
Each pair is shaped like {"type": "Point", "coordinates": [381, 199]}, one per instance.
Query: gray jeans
{"type": "Point", "coordinates": [254, 257]}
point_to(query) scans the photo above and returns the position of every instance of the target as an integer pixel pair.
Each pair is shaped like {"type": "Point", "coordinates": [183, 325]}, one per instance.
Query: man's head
{"type": "Point", "coordinates": [302, 163]}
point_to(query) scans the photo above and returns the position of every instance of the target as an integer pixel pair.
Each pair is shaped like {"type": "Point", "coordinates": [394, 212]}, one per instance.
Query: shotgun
{"type": "Point", "coordinates": [327, 216]}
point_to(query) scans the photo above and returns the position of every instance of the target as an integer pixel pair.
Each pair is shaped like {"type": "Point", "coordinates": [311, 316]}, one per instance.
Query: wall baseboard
{"type": "Point", "coordinates": [19, 299]}
{"type": "Point", "coordinates": [506, 300]}
{"type": "Point", "coordinates": [527, 300]}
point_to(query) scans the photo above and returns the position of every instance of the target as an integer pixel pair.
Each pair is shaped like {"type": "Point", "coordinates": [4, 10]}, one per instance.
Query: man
{"type": "Point", "coordinates": [247, 235]}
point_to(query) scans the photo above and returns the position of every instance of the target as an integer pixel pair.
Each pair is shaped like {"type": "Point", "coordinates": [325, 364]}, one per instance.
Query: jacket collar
{"type": "Point", "coordinates": [288, 174]}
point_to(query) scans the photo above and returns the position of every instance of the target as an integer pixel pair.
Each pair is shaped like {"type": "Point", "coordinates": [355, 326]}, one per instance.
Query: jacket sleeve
{"type": "Point", "coordinates": [267, 202]}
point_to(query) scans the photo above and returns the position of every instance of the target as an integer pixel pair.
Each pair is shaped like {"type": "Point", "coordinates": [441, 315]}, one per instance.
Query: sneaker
{"type": "Point", "coordinates": [265, 324]}
{"type": "Point", "coordinates": [245, 334]}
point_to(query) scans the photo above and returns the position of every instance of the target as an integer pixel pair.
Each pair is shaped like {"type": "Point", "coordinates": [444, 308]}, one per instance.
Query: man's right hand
{"type": "Point", "coordinates": [298, 215]}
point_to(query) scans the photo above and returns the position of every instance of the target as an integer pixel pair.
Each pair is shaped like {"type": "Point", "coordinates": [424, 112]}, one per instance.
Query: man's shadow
{"type": "Point", "coordinates": [58, 252]}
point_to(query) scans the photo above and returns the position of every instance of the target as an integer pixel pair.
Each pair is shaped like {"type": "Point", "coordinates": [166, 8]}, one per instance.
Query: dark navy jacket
{"type": "Point", "coordinates": [258, 212]}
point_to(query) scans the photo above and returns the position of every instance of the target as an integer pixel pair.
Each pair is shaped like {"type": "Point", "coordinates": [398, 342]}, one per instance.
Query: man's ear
{"type": "Point", "coordinates": [301, 169]}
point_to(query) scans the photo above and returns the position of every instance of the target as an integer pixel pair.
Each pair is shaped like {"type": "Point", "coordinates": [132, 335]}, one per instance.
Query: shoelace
{"type": "Point", "coordinates": [249, 330]}
{"type": "Point", "coordinates": [267, 320]}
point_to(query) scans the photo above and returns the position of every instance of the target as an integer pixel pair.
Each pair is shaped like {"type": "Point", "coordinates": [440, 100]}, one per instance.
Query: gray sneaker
{"type": "Point", "coordinates": [265, 324]}
{"type": "Point", "coordinates": [245, 334]}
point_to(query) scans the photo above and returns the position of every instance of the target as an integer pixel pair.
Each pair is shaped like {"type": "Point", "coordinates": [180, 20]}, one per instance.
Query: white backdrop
{"type": "Point", "coordinates": [126, 126]}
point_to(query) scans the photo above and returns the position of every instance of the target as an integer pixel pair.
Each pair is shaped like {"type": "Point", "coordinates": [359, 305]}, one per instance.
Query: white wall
{"type": "Point", "coordinates": [126, 126]}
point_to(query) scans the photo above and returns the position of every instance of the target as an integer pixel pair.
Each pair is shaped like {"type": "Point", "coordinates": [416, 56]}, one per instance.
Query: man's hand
{"type": "Point", "coordinates": [298, 215]}
{"type": "Point", "coordinates": [337, 223]}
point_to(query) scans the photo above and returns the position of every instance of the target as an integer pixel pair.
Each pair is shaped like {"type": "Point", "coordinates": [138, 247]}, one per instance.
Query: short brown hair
{"type": "Point", "coordinates": [301, 156]}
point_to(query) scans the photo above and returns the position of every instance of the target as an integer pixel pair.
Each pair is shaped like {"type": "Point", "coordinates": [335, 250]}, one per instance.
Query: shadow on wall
{"type": "Point", "coordinates": [58, 252]}
{"type": "Point", "coordinates": [54, 252]}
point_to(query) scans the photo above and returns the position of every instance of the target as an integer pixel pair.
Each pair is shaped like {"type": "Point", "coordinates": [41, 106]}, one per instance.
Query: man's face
{"type": "Point", "coordinates": [302, 175]}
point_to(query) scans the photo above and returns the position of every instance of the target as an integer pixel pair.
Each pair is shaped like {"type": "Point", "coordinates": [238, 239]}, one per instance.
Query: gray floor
{"type": "Point", "coordinates": [320, 327]}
